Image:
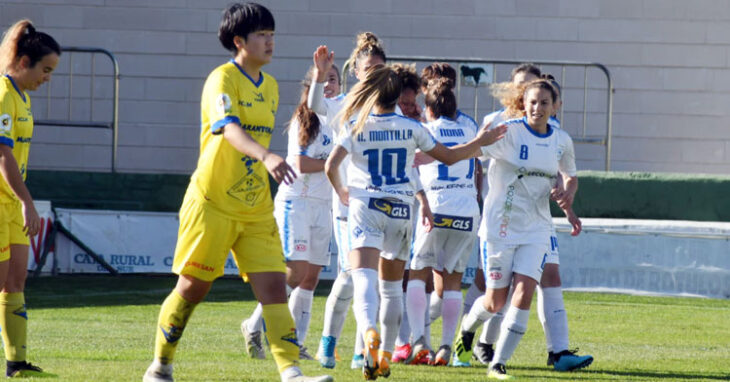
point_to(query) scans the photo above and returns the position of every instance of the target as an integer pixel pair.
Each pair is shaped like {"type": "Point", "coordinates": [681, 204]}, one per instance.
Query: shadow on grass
{"type": "Point", "coordinates": [593, 374]}
{"type": "Point", "coordinates": [104, 290]}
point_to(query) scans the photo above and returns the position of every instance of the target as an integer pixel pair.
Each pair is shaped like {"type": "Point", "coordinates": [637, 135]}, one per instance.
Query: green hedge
{"type": "Point", "coordinates": [610, 195]}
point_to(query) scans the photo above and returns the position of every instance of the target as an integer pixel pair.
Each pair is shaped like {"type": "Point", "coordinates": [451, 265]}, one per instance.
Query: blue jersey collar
{"type": "Point", "coordinates": [17, 89]}
{"type": "Point", "coordinates": [261, 75]}
{"type": "Point", "coordinates": [535, 133]}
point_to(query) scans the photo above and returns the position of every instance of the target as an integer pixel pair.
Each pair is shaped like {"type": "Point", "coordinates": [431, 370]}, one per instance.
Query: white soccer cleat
{"type": "Point", "coordinates": [252, 340]}
{"type": "Point", "coordinates": [158, 372]}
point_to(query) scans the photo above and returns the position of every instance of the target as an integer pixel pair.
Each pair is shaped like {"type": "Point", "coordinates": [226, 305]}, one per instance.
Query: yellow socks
{"type": "Point", "coordinates": [282, 335]}
{"type": "Point", "coordinates": [174, 314]}
{"type": "Point", "coordinates": [14, 325]}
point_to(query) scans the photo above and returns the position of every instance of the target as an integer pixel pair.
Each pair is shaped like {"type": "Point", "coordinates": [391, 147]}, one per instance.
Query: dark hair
{"type": "Point", "coordinates": [242, 19]}
{"type": "Point", "coordinates": [525, 68]}
{"type": "Point", "coordinates": [554, 82]}
{"type": "Point", "coordinates": [440, 98]}
{"type": "Point", "coordinates": [367, 45]}
{"type": "Point", "coordinates": [408, 76]}
{"type": "Point", "coordinates": [22, 39]}
{"type": "Point", "coordinates": [309, 125]}
{"type": "Point", "coordinates": [437, 70]}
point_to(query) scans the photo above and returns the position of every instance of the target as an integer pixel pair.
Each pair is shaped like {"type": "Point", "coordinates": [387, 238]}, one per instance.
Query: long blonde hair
{"type": "Point", "coordinates": [381, 87]}
{"type": "Point", "coordinates": [21, 39]}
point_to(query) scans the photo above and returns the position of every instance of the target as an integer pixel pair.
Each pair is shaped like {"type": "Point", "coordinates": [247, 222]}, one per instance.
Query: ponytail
{"type": "Point", "coordinates": [309, 124]}
{"type": "Point", "coordinates": [22, 39]}
{"type": "Point", "coordinates": [381, 87]}
{"type": "Point", "coordinates": [440, 98]}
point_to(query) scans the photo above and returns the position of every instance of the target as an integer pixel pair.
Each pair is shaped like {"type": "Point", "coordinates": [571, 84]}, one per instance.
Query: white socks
{"type": "Point", "coordinates": [365, 298]}
{"type": "Point", "coordinates": [300, 306]}
{"type": "Point", "coordinates": [477, 315]}
{"type": "Point", "coordinates": [471, 295]}
{"type": "Point", "coordinates": [404, 334]}
{"type": "Point", "coordinates": [490, 331]}
{"type": "Point", "coordinates": [513, 328]}
{"type": "Point", "coordinates": [416, 307]}
{"type": "Point", "coordinates": [391, 308]}
{"type": "Point", "coordinates": [255, 322]}
{"type": "Point", "coordinates": [554, 318]}
{"type": "Point", "coordinates": [451, 313]}
{"type": "Point", "coordinates": [338, 302]}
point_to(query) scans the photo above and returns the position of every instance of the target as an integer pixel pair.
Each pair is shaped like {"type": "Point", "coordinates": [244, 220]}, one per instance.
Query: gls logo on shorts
{"type": "Point", "coordinates": [452, 222]}
{"type": "Point", "coordinates": [393, 210]}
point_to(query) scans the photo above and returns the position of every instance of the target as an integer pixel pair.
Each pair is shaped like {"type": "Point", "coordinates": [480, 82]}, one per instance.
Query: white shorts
{"type": "Point", "coordinates": [448, 246]}
{"type": "Point", "coordinates": [553, 257]}
{"type": "Point", "coordinates": [305, 227]}
{"type": "Point", "coordinates": [502, 260]}
{"type": "Point", "coordinates": [342, 239]}
{"type": "Point", "coordinates": [384, 224]}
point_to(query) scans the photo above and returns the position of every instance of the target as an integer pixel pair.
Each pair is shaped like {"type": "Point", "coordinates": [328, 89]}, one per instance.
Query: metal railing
{"type": "Point", "coordinates": [604, 139]}
{"type": "Point", "coordinates": [111, 123]}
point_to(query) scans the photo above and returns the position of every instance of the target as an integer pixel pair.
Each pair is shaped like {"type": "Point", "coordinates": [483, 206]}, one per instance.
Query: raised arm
{"type": "Point", "coordinates": [323, 61]}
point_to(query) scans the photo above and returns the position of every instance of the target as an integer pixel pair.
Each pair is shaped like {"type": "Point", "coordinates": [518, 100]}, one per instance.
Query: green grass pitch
{"type": "Point", "coordinates": [100, 328]}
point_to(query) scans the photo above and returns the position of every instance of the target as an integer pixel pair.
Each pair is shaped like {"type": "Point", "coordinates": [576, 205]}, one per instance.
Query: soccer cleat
{"type": "Point", "coordinates": [157, 372]}
{"type": "Point", "coordinates": [462, 346]}
{"type": "Point", "coordinates": [402, 353]}
{"type": "Point", "coordinates": [358, 360]}
{"type": "Point", "coordinates": [252, 340]}
{"type": "Point", "coordinates": [420, 353]}
{"type": "Point", "coordinates": [372, 344]}
{"type": "Point", "coordinates": [327, 356]}
{"type": "Point", "coordinates": [442, 356]}
{"type": "Point", "coordinates": [384, 364]}
{"type": "Point", "coordinates": [304, 354]}
{"type": "Point", "coordinates": [456, 363]}
{"type": "Point", "coordinates": [483, 352]}
{"type": "Point", "coordinates": [567, 360]}
{"type": "Point", "coordinates": [304, 378]}
{"type": "Point", "coordinates": [498, 372]}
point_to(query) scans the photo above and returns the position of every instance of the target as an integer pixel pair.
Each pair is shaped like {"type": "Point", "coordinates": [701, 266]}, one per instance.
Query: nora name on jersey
{"type": "Point", "coordinates": [385, 135]}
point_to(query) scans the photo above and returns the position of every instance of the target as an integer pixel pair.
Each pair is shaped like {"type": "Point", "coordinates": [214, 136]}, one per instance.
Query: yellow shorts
{"type": "Point", "coordinates": [11, 228]}
{"type": "Point", "coordinates": [206, 237]}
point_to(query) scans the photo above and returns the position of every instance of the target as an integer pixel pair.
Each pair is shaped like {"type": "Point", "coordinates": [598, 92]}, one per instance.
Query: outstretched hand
{"type": "Point", "coordinates": [487, 136]}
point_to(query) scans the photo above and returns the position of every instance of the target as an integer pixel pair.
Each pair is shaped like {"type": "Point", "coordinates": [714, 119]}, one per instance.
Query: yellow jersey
{"type": "Point", "coordinates": [16, 129]}
{"type": "Point", "coordinates": [233, 183]}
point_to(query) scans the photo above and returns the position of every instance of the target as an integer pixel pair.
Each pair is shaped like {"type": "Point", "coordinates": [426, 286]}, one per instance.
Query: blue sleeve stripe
{"type": "Point", "coordinates": [7, 142]}
{"type": "Point", "coordinates": [216, 127]}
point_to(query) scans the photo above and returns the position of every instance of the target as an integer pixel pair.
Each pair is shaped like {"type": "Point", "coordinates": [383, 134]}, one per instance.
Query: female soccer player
{"type": "Point", "coordinates": [27, 59]}
{"type": "Point", "coordinates": [517, 217]}
{"type": "Point", "coordinates": [303, 214]}
{"type": "Point", "coordinates": [227, 205]}
{"type": "Point", "coordinates": [368, 52]}
{"type": "Point", "coordinates": [451, 192]}
{"type": "Point", "coordinates": [551, 307]}
{"type": "Point", "coordinates": [379, 194]}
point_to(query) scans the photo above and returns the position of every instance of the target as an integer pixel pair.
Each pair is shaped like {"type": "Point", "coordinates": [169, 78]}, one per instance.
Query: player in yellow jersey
{"type": "Point", "coordinates": [228, 205]}
{"type": "Point", "coordinates": [27, 59]}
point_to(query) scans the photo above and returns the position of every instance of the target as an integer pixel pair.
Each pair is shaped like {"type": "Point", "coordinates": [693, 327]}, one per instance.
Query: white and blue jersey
{"type": "Point", "coordinates": [451, 189]}
{"type": "Point", "coordinates": [308, 185]}
{"type": "Point", "coordinates": [382, 156]}
{"type": "Point", "coordinates": [522, 172]}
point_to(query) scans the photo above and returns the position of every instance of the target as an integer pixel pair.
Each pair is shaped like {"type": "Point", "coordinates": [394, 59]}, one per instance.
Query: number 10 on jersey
{"type": "Point", "coordinates": [381, 165]}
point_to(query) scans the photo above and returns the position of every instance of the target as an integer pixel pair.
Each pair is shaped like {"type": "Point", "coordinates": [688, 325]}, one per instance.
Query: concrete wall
{"type": "Point", "coordinates": [669, 59]}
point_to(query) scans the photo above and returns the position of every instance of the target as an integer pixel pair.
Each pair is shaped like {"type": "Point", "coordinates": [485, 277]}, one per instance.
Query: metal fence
{"type": "Point", "coordinates": [589, 102]}
{"type": "Point", "coordinates": [85, 69]}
